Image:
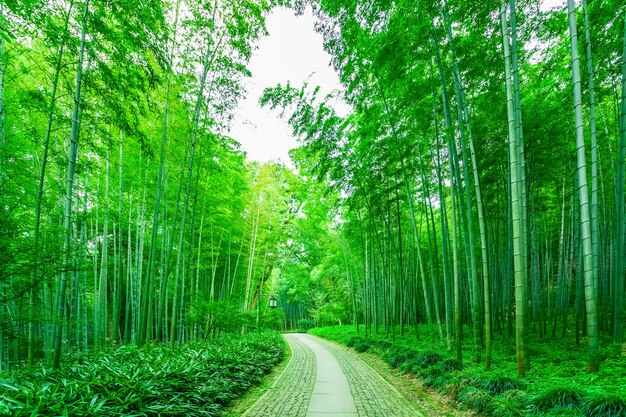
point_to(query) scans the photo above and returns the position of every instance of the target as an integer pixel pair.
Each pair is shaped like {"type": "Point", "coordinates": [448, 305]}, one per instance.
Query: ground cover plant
{"type": "Point", "coordinates": [557, 384]}
{"type": "Point", "coordinates": [195, 379]}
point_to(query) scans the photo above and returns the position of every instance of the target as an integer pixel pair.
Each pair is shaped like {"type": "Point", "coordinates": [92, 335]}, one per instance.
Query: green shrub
{"type": "Point", "coordinates": [512, 403]}
{"type": "Point", "coordinates": [303, 325]}
{"type": "Point", "coordinates": [453, 390]}
{"type": "Point", "coordinates": [354, 341]}
{"type": "Point", "coordinates": [382, 345]}
{"type": "Point", "coordinates": [437, 382]}
{"type": "Point", "coordinates": [504, 408]}
{"type": "Point", "coordinates": [605, 405]}
{"type": "Point", "coordinates": [452, 365]}
{"type": "Point", "coordinates": [362, 346]}
{"type": "Point", "coordinates": [558, 397]}
{"type": "Point", "coordinates": [396, 357]}
{"type": "Point", "coordinates": [517, 396]}
{"type": "Point", "coordinates": [433, 371]}
{"type": "Point", "coordinates": [500, 393]}
{"type": "Point", "coordinates": [498, 384]}
{"type": "Point", "coordinates": [476, 399]}
{"type": "Point", "coordinates": [195, 379]}
{"type": "Point", "coordinates": [427, 359]}
{"type": "Point", "coordinates": [564, 412]}
{"type": "Point", "coordinates": [434, 377]}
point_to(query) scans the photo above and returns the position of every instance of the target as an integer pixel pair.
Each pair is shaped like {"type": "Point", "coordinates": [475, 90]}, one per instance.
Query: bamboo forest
{"type": "Point", "coordinates": [452, 217]}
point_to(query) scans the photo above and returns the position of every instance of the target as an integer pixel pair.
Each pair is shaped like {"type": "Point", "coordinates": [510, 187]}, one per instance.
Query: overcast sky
{"type": "Point", "coordinates": [292, 52]}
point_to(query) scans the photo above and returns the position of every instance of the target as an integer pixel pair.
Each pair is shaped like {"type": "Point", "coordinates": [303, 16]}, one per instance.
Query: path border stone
{"type": "Point", "coordinates": [290, 394]}
{"type": "Point", "coordinates": [374, 396]}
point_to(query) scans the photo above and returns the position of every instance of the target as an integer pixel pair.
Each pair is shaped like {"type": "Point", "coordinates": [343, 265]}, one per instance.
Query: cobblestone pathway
{"type": "Point", "coordinates": [290, 394]}
{"type": "Point", "coordinates": [373, 396]}
{"type": "Point", "coordinates": [326, 379]}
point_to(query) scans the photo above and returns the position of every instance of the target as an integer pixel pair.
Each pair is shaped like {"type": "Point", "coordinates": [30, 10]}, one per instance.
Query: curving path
{"type": "Point", "coordinates": [325, 379]}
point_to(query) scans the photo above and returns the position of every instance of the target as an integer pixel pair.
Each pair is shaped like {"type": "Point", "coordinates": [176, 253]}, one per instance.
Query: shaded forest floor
{"type": "Point", "coordinates": [557, 384]}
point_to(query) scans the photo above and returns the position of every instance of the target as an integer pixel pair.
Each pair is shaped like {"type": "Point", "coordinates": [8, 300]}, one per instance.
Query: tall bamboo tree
{"type": "Point", "coordinates": [72, 157]}
{"type": "Point", "coordinates": [583, 197]}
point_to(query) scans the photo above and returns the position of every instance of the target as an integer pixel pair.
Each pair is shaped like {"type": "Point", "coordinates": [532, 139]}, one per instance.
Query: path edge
{"type": "Point", "coordinates": [408, 399]}
{"type": "Point", "coordinates": [278, 378]}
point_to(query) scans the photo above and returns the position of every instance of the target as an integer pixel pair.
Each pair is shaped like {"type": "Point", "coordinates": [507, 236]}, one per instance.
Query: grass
{"type": "Point", "coordinates": [240, 405]}
{"type": "Point", "coordinates": [559, 397]}
{"type": "Point", "coordinates": [557, 385]}
{"type": "Point", "coordinates": [605, 405]}
{"type": "Point", "coordinates": [498, 384]}
{"type": "Point", "coordinates": [195, 379]}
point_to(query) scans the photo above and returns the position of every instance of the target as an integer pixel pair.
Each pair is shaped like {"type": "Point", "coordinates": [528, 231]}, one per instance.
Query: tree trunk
{"type": "Point", "coordinates": [142, 333]}
{"type": "Point", "coordinates": [409, 195]}
{"type": "Point", "coordinates": [42, 171]}
{"type": "Point", "coordinates": [4, 336]}
{"type": "Point", "coordinates": [466, 139]}
{"type": "Point", "coordinates": [3, 139]}
{"type": "Point", "coordinates": [595, 229]}
{"type": "Point", "coordinates": [443, 218]}
{"type": "Point", "coordinates": [73, 154]}
{"type": "Point", "coordinates": [516, 204]}
{"type": "Point", "coordinates": [250, 271]}
{"type": "Point", "coordinates": [101, 310]}
{"type": "Point", "coordinates": [620, 240]}
{"type": "Point", "coordinates": [519, 134]}
{"type": "Point", "coordinates": [119, 276]}
{"type": "Point", "coordinates": [583, 195]}
{"type": "Point", "coordinates": [458, 329]}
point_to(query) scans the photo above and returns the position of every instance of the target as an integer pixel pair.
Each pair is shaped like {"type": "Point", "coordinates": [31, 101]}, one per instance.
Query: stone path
{"type": "Point", "coordinates": [326, 379]}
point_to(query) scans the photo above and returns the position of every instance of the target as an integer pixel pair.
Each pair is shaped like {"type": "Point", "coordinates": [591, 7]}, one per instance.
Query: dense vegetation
{"type": "Point", "coordinates": [479, 179]}
{"type": "Point", "coordinates": [557, 385]}
{"type": "Point", "coordinates": [195, 379]}
{"type": "Point", "coordinates": [477, 183]}
{"type": "Point", "coordinates": [126, 216]}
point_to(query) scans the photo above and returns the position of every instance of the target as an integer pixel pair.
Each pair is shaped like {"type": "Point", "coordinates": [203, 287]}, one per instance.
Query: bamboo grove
{"type": "Point", "coordinates": [479, 180]}
{"type": "Point", "coordinates": [127, 215]}
{"type": "Point", "coordinates": [475, 189]}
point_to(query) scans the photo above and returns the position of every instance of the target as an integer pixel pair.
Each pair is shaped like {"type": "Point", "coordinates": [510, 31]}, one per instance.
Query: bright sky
{"type": "Point", "coordinates": [546, 5]}
{"type": "Point", "coordinates": [292, 52]}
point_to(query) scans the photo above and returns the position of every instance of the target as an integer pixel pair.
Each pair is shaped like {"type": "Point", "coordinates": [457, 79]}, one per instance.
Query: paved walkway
{"type": "Point", "coordinates": [325, 379]}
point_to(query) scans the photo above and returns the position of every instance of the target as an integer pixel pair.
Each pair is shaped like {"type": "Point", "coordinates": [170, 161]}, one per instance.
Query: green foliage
{"type": "Point", "coordinates": [551, 391]}
{"type": "Point", "coordinates": [427, 359]}
{"type": "Point", "coordinates": [435, 377]}
{"type": "Point", "coordinates": [360, 344]}
{"type": "Point", "coordinates": [558, 397]}
{"type": "Point", "coordinates": [451, 364]}
{"type": "Point", "coordinates": [411, 360]}
{"type": "Point", "coordinates": [304, 325]}
{"type": "Point", "coordinates": [398, 357]}
{"type": "Point", "coordinates": [605, 405]}
{"type": "Point", "coordinates": [271, 318]}
{"type": "Point", "coordinates": [476, 399]}
{"type": "Point", "coordinates": [219, 316]}
{"type": "Point", "coordinates": [512, 403]}
{"type": "Point", "coordinates": [196, 379]}
{"type": "Point", "coordinates": [497, 384]}
{"type": "Point", "coordinates": [504, 408]}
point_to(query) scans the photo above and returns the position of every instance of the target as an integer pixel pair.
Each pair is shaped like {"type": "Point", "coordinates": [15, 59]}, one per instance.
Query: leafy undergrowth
{"type": "Point", "coordinates": [195, 379]}
{"type": "Point", "coordinates": [556, 385]}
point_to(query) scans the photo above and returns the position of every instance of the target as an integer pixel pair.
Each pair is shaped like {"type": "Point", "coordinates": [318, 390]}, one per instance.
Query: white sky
{"type": "Point", "coordinates": [546, 5]}
{"type": "Point", "coordinates": [292, 52]}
